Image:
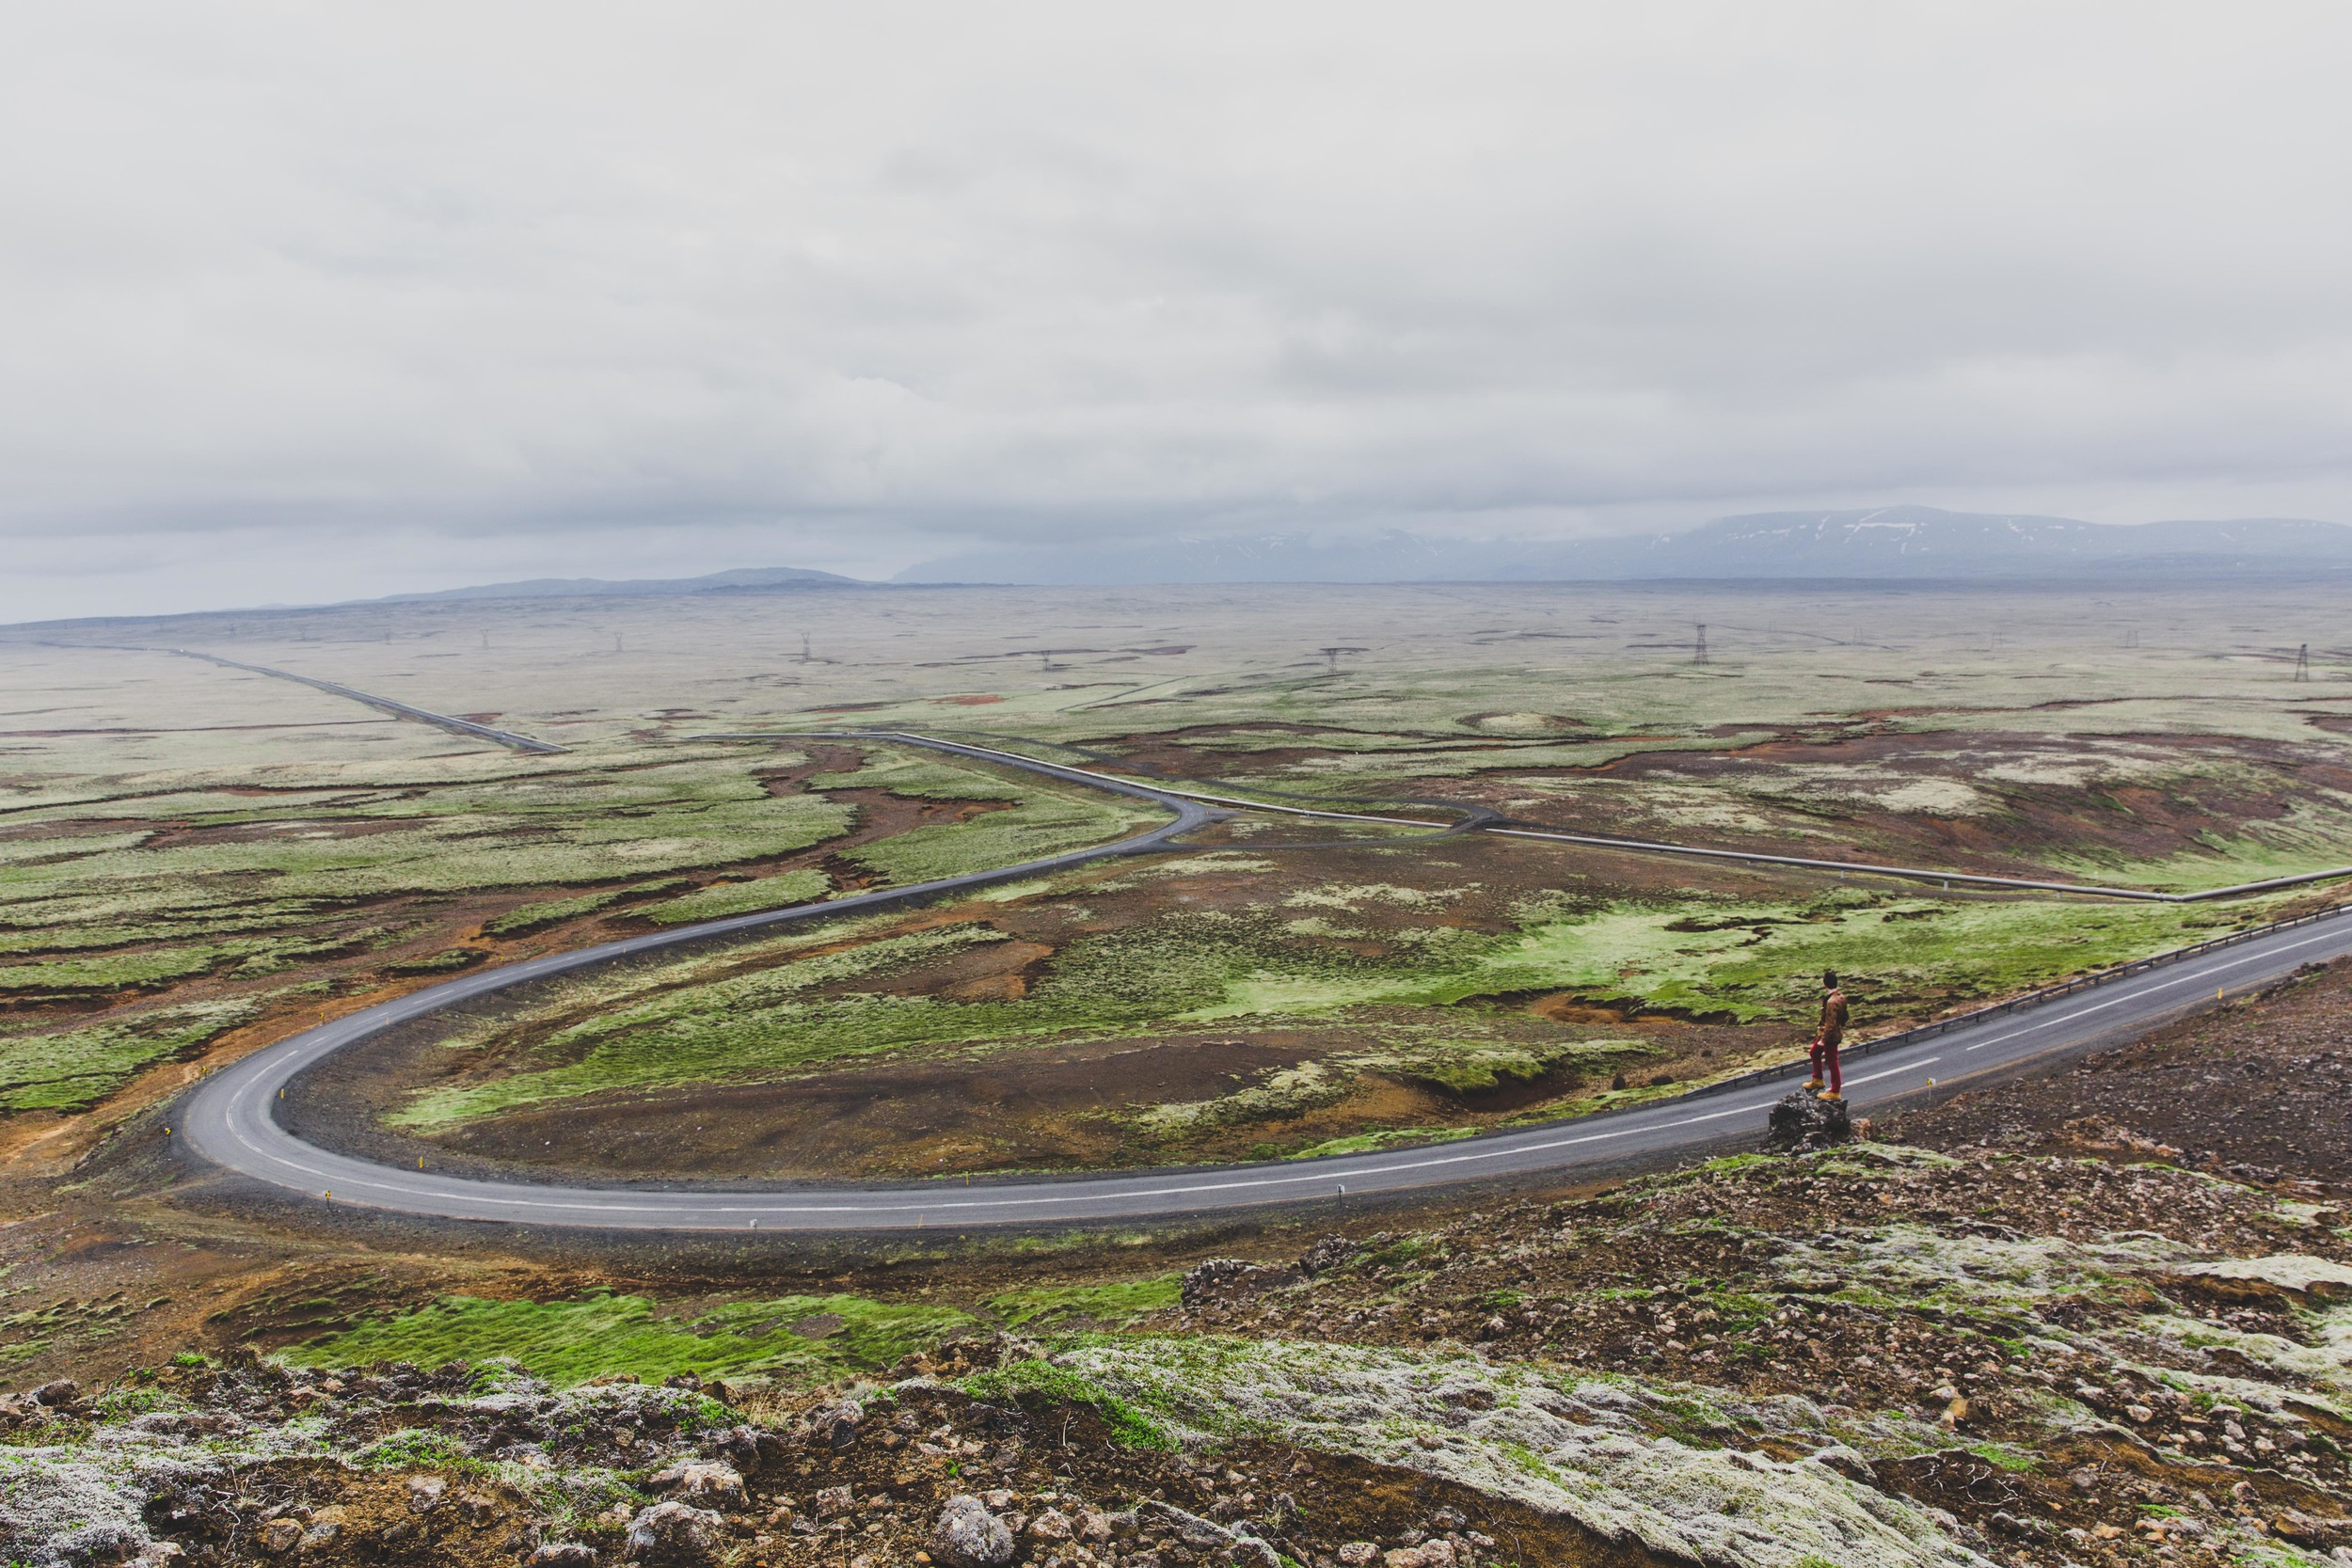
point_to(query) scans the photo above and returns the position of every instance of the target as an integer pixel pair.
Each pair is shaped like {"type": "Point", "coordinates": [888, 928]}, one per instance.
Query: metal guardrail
{"type": "Point", "coordinates": [2096, 978]}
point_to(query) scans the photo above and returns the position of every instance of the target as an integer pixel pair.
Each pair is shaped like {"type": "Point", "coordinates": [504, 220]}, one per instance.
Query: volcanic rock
{"type": "Point", "coordinates": [675, 1533]}
{"type": "Point", "coordinates": [969, 1536]}
{"type": "Point", "coordinates": [1803, 1120]}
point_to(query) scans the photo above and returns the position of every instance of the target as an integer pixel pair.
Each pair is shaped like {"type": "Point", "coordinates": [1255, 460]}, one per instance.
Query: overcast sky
{"type": "Point", "coordinates": [310, 300]}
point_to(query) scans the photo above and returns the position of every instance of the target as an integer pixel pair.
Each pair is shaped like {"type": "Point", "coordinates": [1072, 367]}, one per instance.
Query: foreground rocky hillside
{"type": "Point", "coordinates": [2023, 1327]}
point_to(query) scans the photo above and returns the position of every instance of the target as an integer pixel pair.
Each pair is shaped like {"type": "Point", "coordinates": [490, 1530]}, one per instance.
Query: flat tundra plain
{"type": "Point", "coordinates": [197, 860]}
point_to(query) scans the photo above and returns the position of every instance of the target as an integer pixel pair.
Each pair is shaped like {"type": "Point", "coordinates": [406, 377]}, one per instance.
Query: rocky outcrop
{"type": "Point", "coordinates": [1803, 1121]}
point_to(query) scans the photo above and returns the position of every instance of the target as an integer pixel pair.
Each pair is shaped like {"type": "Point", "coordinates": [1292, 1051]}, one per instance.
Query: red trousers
{"type": "Point", "coordinates": [1825, 1054]}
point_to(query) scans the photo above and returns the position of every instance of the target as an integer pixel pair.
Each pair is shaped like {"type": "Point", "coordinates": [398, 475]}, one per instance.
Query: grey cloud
{"type": "Point", "coordinates": [370, 298]}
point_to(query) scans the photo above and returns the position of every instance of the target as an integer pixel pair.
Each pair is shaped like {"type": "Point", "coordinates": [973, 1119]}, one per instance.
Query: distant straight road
{"type": "Point", "coordinates": [228, 1120]}
{"type": "Point", "coordinates": [393, 705]}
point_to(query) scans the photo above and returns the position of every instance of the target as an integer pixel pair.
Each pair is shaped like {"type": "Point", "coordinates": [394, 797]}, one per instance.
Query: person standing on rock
{"type": "Point", "coordinates": [1827, 1038]}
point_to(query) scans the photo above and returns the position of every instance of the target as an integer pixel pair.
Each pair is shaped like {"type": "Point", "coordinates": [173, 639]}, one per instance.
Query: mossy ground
{"type": "Point", "coordinates": [1475, 998]}
{"type": "Point", "coordinates": [801, 1338]}
{"type": "Point", "coordinates": [357, 883]}
{"type": "Point", "coordinates": [201, 833]}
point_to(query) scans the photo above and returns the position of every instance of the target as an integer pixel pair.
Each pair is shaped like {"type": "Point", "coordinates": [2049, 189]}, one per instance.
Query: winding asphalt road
{"type": "Point", "coordinates": [228, 1120]}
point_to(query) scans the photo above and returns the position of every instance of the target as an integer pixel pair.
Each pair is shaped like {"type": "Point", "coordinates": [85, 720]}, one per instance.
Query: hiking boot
{"type": "Point", "coordinates": [1812, 1085]}
{"type": "Point", "coordinates": [1832, 1095]}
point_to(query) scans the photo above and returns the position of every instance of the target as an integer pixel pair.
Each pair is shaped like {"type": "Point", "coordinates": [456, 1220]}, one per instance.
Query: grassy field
{"type": "Point", "coordinates": [177, 905]}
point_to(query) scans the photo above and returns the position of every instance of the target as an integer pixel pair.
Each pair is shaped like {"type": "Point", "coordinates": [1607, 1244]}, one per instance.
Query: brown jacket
{"type": "Point", "coordinates": [1833, 1028]}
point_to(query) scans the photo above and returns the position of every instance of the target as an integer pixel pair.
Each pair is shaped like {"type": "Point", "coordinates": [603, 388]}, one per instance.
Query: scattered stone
{"type": "Point", "coordinates": [57, 1395]}
{"type": "Point", "coordinates": [280, 1536]}
{"type": "Point", "coordinates": [707, 1482]}
{"type": "Point", "coordinates": [1050, 1525]}
{"type": "Point", "coordinates": [2305, 1530]}
{"type": "Point", "coordinates": [673, 1532]}
{"type": "Point", "coordinates": [1326, 1255]}
{"type": "Point", "coordinates": [833, 1502]}
{"type": "Point", "coordinates": [565, 1554]}
{"type": "Point", "coordinates": [836, 1425]}
{"type": "Point", "coordinates": [2025, 1527]}
{"type": "Point", "coordinates": [1359, 1554]}
{"type": "Point", "coordinates": [1429, 1554]}
{"type": "Point", "coordinates": [967, 1535]}
{"type": "Point", "coordinates": [1207, 1281]}
{"type": "Point", "coordinates": [424, 1492]}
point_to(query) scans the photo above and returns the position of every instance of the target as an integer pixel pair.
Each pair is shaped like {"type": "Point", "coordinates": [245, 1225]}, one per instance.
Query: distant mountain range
{"type": "Point", "coordinates": [742, 579]}
{"type": "Point", "coordinates": [1889, 543]}
{"type": "Point", "coordinates": [1907, 543]}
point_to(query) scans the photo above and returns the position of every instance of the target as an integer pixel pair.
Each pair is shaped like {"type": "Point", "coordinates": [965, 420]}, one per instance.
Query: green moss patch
{"type": "Point", "coordinates": [1367, 1142]}
{"type": "Point", "coordinates": [553, 911]}
{"type": "Point", "coordinates": [1042, 1383]}
{"type": "Point", "coordinates": [1044, 819]}
{"type": "Point", "coordinates": [1120, 1302]}
{"type": "Point", "coordinates": [721, 899]}
{"type": "Point", "coordinates": [570, 1341]}
{"type": "Point", "coordinates": [75, 1067]}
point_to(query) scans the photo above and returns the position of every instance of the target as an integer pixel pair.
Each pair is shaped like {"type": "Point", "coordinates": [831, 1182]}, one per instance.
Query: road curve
{"type": "Point", "coordinates": [228, 1120]}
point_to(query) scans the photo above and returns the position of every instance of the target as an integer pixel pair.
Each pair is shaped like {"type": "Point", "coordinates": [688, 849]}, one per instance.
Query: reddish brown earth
{"type": "Point", "coordinates": [2260, 1088]}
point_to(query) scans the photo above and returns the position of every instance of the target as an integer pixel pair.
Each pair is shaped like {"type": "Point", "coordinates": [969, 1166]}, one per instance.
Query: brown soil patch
{"type": "Point", "coordinates": [2255, 1088]}
{"type": "Point", "coordinates": [1061, 1107]}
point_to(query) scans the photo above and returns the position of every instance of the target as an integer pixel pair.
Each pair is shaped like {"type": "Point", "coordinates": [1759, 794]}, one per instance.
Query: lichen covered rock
{"type": "Point", "coordinates": [1583, 1448]}
{"type": "Point", "coordinates": [674, 1532]}
{"type": "Point", "coordinates": [969, 1536]}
